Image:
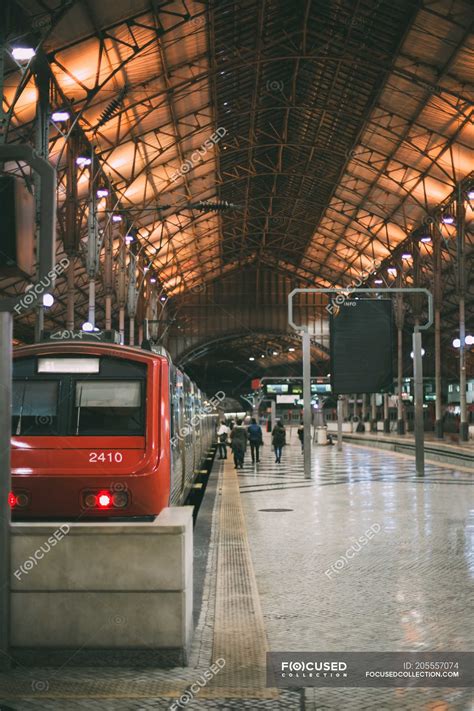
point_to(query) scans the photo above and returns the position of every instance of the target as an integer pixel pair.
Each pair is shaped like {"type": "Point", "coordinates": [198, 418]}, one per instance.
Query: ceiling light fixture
{"type": "Point", "coordinates": [58, 116]}
{"type": "Point", "coordinates": [23, 54]}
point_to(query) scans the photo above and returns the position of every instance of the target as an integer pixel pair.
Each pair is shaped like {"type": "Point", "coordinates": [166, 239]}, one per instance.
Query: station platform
{"type": "Point", "coordinates": [450, 451]}
{"type": "Point", "coordinates": [264, 541]}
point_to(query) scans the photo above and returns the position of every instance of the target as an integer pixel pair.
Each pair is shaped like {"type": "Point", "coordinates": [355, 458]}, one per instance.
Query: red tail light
{"type": "Point", "coordinates": [18, 500]}
{"type": "Point", "coordinates": [104, 500]}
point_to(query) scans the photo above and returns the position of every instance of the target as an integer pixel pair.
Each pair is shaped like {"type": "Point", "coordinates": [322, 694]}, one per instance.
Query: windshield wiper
{"type": "Point", "coordinates": [18, 427]}
{"type": "Point", "coordinates": [79, 411]}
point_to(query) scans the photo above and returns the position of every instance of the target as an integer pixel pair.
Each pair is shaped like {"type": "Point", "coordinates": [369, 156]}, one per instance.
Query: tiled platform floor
{"type": "Point", "coordinates": [409, 588]}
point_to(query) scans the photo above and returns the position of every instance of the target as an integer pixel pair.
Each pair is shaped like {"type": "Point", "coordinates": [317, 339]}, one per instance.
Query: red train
{"type": "Point", "coordinates": [101, 430]}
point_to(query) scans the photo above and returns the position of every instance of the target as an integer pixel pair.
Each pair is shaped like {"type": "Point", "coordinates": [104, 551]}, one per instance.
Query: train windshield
{"type": "Point", "coordinates": [35, 407]}
{"type": "Point", "coordinates": [108, 407]}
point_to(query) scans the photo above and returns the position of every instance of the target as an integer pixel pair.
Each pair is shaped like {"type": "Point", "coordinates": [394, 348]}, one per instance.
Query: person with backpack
{"type": "Point", "coordinates": [278, 440]}
{"type": "Point", "coordinates": [255, 435]}
{"type": "Point", "coordinates": [222, 437]}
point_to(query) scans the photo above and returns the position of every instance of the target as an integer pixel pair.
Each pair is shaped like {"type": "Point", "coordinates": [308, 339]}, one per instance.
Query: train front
{"type": "Point", "coordinates": [90, 432]}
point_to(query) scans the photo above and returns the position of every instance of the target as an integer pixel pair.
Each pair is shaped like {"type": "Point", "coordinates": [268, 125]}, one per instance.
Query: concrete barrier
{"type": "Point", "coordinates": [114, 586]}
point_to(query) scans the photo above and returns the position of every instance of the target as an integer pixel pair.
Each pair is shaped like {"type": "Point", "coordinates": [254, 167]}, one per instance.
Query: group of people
{"type": "Point", "coordinates": [238, 436]}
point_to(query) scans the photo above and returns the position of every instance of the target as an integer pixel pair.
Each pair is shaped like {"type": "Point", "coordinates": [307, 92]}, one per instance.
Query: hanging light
{"type": "Point", "coordinates": [378, 281]}
{"type": "Point", "coordinates": [102, 192]}
{"type": "Point", "coordinates": [392, 271]}
{"type": "Point", "coordinates": [470, 192]}
{"type": "Point", "coordinates": [406, 256]}
{"type": "Point", "coordinates": [48, 300]}
{"type": "Point", "coordinates": [129, 239]}
{"type": "Point", "coordinates": [468, 340]}
{"type": "Point", "coordinates": [117, 218]}
{"type": "Point", "coordinates": [251, 358]}
{"type": "Point", "coordinates": [291, 350]}
{"type": "Point", "coordinates": [425, 239]}
{"type": "Point", "coordinates": [82, 161]}
{"type": "Point", "coordinates": [447, 218]}
{"type": "Point", "coordinates": [23, 54]}
{"type": "Point", "coordinates": [87, 326]}
{"type": "Point", "coordinates": [152, 280]}
{"type": "Point", "coordinates": [163, 298]}
{"type": "Point", "coordinates": [60, 115]}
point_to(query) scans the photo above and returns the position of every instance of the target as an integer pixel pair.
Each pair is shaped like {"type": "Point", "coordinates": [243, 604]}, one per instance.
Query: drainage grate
{"type": "Point", "coordinates": [276, 510]}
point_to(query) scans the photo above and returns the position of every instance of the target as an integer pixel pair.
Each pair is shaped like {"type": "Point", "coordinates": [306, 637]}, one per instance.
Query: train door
{"type": "Point", "coordinates": [197, 420]}
{"type": "Point", "coordinates": [177, 437]}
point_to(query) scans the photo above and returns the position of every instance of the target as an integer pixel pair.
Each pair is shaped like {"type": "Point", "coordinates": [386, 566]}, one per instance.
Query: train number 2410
{"type": "Point", "coordinates": [105, 457]}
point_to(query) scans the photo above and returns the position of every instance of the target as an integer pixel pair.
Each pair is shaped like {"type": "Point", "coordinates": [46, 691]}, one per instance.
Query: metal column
{"type": "Point", "coordinates": [418, 385]}
{"type": "Point", "coordinates": [70, 295]}
{"type": "Point", "coordinates": [340, 405]}
{"type": "Point", "coordinates": [437, 287]}
{"type": "Point", "coordinates": [46, 262]}
{"type": "Point", "coordinates": [273, 413]}
{"type": "Point", "coordinates": [400, 317]}
{"type": "Point", "coordinates": [373, 413]}
{"type": "Point", "coordinates": [6, 335]}
{"type": "Point", "coordinates": [386, 420]}
{"type": "Point", "coordinates": [306, 343]}
{"type": "Point", "coordinates": [461, 274]}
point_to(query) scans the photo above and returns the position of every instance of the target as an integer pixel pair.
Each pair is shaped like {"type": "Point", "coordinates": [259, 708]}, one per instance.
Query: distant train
{"type": "Point", "coordinates": [101, 430]}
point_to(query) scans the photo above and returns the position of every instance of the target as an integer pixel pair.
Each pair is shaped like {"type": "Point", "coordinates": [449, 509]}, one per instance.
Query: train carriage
{"type": "Point", "coordinates": [101, 430]}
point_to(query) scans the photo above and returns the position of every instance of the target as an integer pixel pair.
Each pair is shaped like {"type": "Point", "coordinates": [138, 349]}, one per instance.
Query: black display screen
{"type": "Point", "coordinates": [361, 346]}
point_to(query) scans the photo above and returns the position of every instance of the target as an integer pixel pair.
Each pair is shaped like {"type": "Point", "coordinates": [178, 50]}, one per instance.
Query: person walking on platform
{"type": "Point", "coordinates": [278, 440]}
{"type": "Point", "coordinates": [222, 437]}
{"type": "Point", "coordinates": [238, 438]}
{"type": "Point", "coordinates": [300, 433]}
{"type": "Point", "coordinates": [255, 439]}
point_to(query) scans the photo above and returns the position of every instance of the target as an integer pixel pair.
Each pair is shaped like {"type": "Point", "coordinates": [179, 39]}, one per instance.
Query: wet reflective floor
{"type": "Point", "coordinates": [407, 587]}
{"type": "Point", "coordinates": [365, 556]}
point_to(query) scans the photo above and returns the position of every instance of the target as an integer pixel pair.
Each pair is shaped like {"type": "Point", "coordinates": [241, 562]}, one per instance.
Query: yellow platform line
{"type": "Point", "coordinates": [239, 630]}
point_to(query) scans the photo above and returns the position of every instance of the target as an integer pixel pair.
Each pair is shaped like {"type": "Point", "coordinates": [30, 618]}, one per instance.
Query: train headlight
{"type": "Point", "coordinates": [90, 501]}
{"type": "Point", "coordinates": [120, 499]}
